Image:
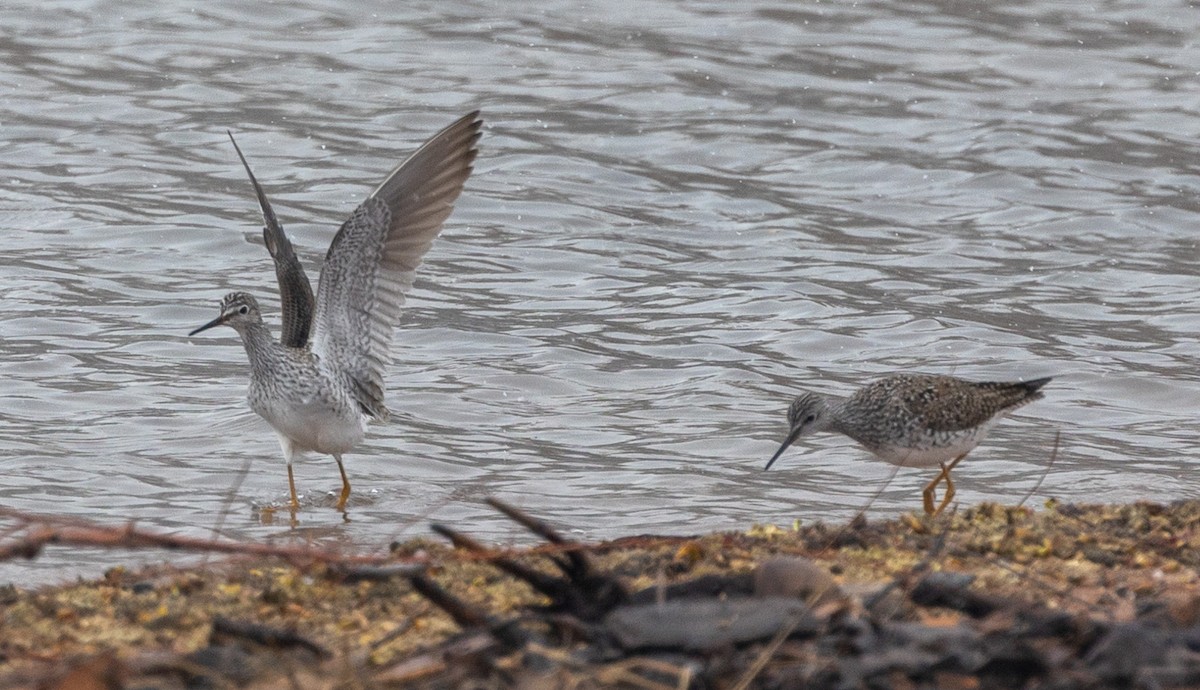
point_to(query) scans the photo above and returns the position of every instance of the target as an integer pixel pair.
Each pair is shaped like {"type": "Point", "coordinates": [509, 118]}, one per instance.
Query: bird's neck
{"type": "Point", "coordinates": [835, 414]}
{"type": "Point", "coordinates": [261, 348]}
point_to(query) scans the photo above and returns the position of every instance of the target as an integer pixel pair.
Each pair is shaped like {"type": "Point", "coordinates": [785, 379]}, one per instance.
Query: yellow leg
{"type": "Point", "coordinates": [949, 484]}
{"type": "Point", "coordinates": [930, 491]}
{"type": "Point", "coordinates": [341, 504]}
{"type": "Point", "coordinates": [292, 486]}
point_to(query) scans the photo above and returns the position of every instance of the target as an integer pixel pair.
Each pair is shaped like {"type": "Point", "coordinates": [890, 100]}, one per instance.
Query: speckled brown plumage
{"type": "Point", "coordinates": [913, 420]}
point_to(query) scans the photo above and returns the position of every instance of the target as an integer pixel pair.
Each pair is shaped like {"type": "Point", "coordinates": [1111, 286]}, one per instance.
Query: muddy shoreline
{"type": "Point", "coordinates": [992, 596]}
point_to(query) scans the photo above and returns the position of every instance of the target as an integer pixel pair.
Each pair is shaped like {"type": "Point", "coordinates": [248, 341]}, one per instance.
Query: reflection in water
{"type": "Point", "coordinates": [681, 216]}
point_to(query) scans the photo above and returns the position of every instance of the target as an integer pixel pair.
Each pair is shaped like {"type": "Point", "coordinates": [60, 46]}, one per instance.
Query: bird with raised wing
{"type": "Point", "coordinates": [320, 383]}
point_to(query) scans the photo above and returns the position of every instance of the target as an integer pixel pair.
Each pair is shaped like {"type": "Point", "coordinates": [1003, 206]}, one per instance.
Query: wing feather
{"type": "Point", "coordinates": [948, 405]}
{"type": "Point", "coordinates": [373, 258]}
{"type": "Point", "coordinates": [295, 292]}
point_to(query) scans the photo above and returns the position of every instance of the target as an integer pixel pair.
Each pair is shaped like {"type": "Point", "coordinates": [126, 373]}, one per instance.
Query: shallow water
{"type": "Point", "coordinates": [682, 214]}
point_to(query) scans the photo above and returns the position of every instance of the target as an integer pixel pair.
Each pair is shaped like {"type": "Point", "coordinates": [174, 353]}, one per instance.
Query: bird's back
{"type": "Point", "coordinates": [920, 419]}
{"type": "Point", "coordinates": [940, 403]}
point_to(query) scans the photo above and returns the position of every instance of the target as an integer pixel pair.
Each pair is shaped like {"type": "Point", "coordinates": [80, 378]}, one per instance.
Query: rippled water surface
{"type": "Point", "coordinates": [682, 214]}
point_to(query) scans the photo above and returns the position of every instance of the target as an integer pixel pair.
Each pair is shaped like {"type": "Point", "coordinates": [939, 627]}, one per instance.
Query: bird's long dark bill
{"type": "Point", "coordinates": [792, 435]}
{"type": "Point", "coordinates": [215, 322]}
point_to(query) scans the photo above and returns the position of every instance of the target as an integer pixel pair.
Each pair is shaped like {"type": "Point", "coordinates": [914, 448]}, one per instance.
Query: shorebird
{"type": "Point", "coordinates": [913, 420]}
{"type": "Point", "coordinates": [323, 380]}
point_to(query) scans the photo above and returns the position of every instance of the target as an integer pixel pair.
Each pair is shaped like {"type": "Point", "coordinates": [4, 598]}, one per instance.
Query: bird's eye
{"type": "Point", "coordinates": [243, 309]}
{"type": "Point", "coordinates": [810, 419]}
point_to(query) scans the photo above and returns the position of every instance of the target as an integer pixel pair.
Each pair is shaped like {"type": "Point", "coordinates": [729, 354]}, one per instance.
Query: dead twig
{"type": "Point", "coordinates": [1049, 464]}
{"type": "Point", "coordinates": [40, 531]}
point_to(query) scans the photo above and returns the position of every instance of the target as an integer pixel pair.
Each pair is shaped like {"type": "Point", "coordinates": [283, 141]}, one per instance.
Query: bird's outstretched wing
{"type": "Point", "coordinates": [295, 292]}
{"type": "Point", "coordinates": [373, 257]}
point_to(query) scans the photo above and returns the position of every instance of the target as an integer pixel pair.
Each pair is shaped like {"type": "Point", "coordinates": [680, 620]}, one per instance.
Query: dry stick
{"type": "Point", "coordinates": [538, 526]}
{"type": "Point", "coordinates": [577, 562]}
{"type": "Point", "coordinates": [230, 496]}
{"type": "Point", "coordinates": [267, 636]}
{"type": "Point", "coordinates": [875, 497]}
{"type": "Point", "coordinates": [623, 544]}
{"type": "Point", "coordinates": [55, 530]}
{"type": "Point", "coordinates": [935, 549]}
{"type": "Point", "coordinates": [836, 536]}
{"type": "Point", "coordinates": [887, 482]}
{"type": "Point", "coordinates": [1046, 472]}
{"type": "Point", "coordinates": [1053, 455]}
{"type": "Point", "coordinates": [424, 515]}
{"type": "Point", "coordinates": [46, 530]}
{"type": "Point", "coordinates": [1008, 567]}
{"type": "Point", "coordinates": [1049, 585]}
{"type": "Point", "coordinates": [50, 530]}
{"type": "Point", "coordinates": [860, 515]}
{"type": "Point", "coordinates": [540, 581]}
{"type": "Point", "coordinates": [622, 672]}
{"type": "Point", "coordinates": [760, 661]}
{"type": "Point", "coordinates": [399, 630]}
{"type": "Point", "coordinates": [627, 670]}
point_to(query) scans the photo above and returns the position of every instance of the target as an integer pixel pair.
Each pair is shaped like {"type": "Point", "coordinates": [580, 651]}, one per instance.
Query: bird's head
{"type": "Point", "coordinates": [808, 413]}
{"type": "Point", "coordinates": [238, 310]}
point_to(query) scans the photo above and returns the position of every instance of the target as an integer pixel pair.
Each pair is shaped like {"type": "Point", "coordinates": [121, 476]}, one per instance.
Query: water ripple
{"type": "Point", "coordinates": [682, 215]}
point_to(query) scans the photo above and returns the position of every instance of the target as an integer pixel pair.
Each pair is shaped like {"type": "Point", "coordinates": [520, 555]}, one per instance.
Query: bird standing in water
{"type": "Point", "coordinates": [913, 420]}
{"type": "Point", "coordinates": [322, 380]}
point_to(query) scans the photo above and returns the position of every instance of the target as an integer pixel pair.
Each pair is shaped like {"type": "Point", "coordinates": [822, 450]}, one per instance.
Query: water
{"type": "Point", "coordinates": [681, 215]}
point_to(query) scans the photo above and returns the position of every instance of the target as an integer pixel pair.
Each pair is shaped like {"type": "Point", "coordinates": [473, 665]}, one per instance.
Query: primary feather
{"type": "Point", "coordinates": [371, 262]}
